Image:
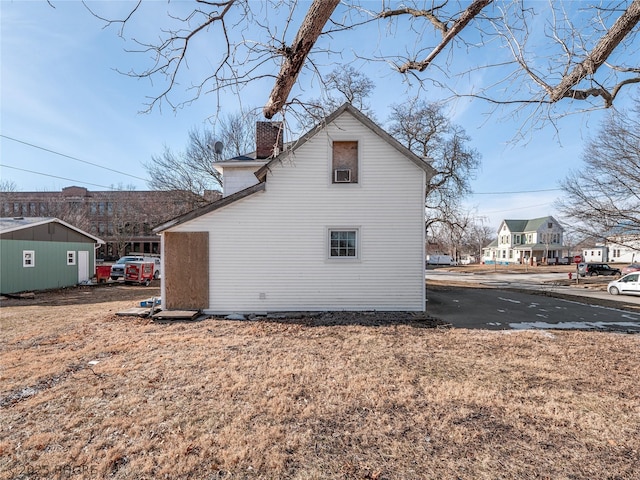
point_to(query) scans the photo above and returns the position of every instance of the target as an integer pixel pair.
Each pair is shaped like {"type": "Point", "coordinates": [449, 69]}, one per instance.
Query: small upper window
{"type": "Point", "coordinates": [28, 258]}
{"type": "Point", "coordinates": [344, 162]}
{"type": "Point", "coordinates": [71, 257]}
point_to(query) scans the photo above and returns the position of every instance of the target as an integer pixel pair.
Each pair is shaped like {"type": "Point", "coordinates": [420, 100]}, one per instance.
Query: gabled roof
{"type": "Point", "coordinates": [519, 226]}
{"type": "Point", "coordinates": [8, 225]}
{"type": "Point", "coordinates": [516, 225]}
{"type": "Point", "coordinates": [366, 121]}
{"type": "Point", "coordinates": [262, 172]}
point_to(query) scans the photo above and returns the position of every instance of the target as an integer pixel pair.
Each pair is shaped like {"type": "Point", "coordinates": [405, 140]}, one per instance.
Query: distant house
{"type": "Point", "coordinates": [621, 245]}
{"type": "Point", "coordinates": [539, 240]}
{"type": "Point", "coordinates": [334, 223]}
{"type": "Point", "coordinates": [624, 252]}
{"type": "Point", "coordinates": [38, 253]}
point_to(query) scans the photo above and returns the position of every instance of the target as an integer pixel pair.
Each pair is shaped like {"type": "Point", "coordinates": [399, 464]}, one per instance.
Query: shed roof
{"type": "Point", "coordinates": [12, 224]}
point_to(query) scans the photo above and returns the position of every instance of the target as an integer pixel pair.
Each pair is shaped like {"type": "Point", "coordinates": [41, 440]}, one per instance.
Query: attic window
{"type": "Point", "coordinates": [344, 162]}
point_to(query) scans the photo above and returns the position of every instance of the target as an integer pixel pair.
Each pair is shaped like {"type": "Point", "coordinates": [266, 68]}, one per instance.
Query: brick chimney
{"type": "Point", "coordinates": [269, 141]}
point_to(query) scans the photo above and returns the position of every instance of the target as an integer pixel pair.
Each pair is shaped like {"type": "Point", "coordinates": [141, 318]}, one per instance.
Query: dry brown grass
{"type": "Point", "coordinates": [511, 268]}
{"type": "Point", "coordinates": [266, 399]}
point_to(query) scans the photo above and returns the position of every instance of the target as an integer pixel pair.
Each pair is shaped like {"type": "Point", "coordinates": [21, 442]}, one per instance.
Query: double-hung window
{"type": "Point", "coordinates": [343, 243]}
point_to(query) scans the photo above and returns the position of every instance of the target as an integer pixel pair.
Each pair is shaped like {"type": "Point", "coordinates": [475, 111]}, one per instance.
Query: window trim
{"type": "Point", "coordinates": [28, 258]}
{"type": "Point", "coordinates": [71, 257]}
{"type": "Point", "coordinates": [341, 259]}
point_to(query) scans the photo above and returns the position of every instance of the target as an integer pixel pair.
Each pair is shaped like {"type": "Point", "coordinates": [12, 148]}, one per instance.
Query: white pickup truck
{"type": "Point", "coordinates": [117, 269]}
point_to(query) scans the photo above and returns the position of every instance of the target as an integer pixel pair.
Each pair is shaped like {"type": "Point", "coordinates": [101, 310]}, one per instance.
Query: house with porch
{"type": "Point", "coordinates": [333, 222]}
{"type": "Point", "coordinates": [535, 241]}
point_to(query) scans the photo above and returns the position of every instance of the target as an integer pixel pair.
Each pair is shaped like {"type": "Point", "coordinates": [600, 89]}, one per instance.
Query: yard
{"type": "Point", "coordinates": [88, 394]}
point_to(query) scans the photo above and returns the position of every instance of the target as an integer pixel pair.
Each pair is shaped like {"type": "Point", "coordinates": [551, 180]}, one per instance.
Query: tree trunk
{"type": "Point", "coordinates": [317, 16]}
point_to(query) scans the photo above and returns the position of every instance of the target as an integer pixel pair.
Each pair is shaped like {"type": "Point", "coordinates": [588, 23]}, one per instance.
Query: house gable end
{"type": "Point", "coordinates": [408, 154]}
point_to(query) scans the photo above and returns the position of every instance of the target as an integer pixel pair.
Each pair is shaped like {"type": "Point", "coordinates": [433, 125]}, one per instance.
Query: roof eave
{"type": "Point", "coordinates": [46, 220]}
{"type": "Point", "coordinates": [198, 212]}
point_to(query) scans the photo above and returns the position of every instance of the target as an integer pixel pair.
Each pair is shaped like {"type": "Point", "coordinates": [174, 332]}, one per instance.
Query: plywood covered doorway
{"type": "Point", "coordinates": [186, 270]}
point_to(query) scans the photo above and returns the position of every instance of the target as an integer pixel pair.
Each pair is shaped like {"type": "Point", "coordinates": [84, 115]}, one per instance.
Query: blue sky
{"type": "Point", "coordinates": [60, 92]}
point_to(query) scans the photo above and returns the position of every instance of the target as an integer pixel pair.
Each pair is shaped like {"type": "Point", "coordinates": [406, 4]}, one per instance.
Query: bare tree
{"type": "Point", "coordinates": [7, 185]}
{"type": "Point", "coordinates": [237, 132]}
{"type": "Point", "coordinates": [603, 197]}
{"type": "Point", "coordinates": [343, 84]}
{"type": "Point", "coordinates": [426, 130]}
{"type": "Point", "coordinates": [193, 171]}
{"type": "Point", "coordinates": [74, 214]}
{"type": "Point", "coordinates": [477, 235]}
{"type": "Point", "coordinates": [584, 52]}
{"type": "Point", "coordinates": [449, 235]}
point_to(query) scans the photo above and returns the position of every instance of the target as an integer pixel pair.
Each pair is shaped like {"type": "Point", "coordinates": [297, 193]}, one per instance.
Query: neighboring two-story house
{"type": "Point", "coordinates": [335, 222]}
{"type": "Point", "coordinates": [526, 241]}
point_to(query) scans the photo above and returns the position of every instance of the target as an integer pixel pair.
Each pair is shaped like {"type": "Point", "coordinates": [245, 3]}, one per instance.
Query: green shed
{"type": "Point", "coordinates": [38, 253]}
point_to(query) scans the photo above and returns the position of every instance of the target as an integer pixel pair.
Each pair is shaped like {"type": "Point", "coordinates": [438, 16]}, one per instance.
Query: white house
{"type": "Point", "coordinates": [599, 253]}
{"type": "Point", "coordinates": [336, 222]}
{"type": "Point", "coordinates": [621, 245]}
{"type": "Point", "coordinates": [522, 241]}
{"type": "Point", "coordinates": [627, 251]}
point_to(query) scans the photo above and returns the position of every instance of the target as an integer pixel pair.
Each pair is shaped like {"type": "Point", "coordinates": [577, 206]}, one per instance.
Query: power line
{"type": "Point", "coordinates": [520, 208]}
{"type": "Point", "coordinates": [521, 191]}
{"type": "Point", "coordinates": [55, 176]}
{"type": "Point", "coordinates": [72, 158]}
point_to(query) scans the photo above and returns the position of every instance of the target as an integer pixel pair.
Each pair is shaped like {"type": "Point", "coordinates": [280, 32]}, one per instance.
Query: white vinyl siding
{"type": "Point", "coordinates": [268, 252]}
{"type": "Point", "coordinates": [238, 178]}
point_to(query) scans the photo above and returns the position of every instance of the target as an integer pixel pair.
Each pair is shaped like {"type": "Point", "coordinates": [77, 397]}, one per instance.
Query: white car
{"type": "Point", "coordinates": [630, 283]}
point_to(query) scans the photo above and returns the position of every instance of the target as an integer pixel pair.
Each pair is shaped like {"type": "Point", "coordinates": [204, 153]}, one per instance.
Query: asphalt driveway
{"type": "Point", "coordinates": [501, 309]}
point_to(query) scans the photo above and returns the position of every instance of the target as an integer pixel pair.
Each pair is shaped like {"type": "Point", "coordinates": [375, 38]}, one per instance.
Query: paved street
{"type": "Point", "coordinates": [507, 305]}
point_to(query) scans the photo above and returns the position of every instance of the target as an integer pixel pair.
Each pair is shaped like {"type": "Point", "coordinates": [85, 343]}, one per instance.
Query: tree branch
{"type": "Point", "coordinates": [435, 21]}
{"type": "Point", "coordinates": [622, 26]}
{"type": "Point", "coordinates": [469, 14]}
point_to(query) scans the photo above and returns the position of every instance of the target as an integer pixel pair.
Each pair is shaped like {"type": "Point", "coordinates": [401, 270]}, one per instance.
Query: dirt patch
{"type": "Point", "coordinates": [85, 295]}
{"type": "Point", "coordinates": [93, 395]}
